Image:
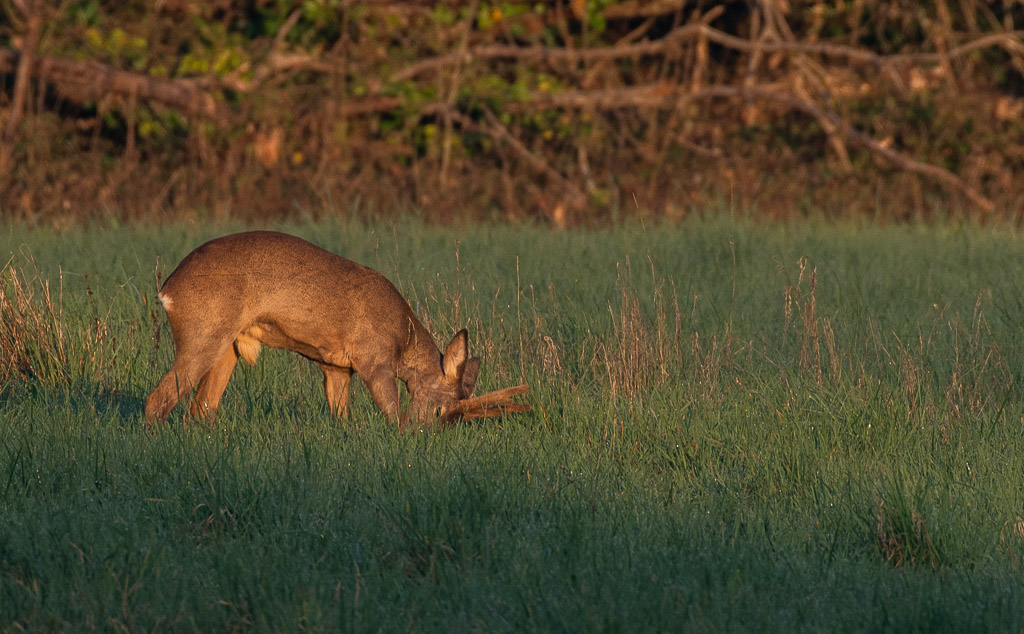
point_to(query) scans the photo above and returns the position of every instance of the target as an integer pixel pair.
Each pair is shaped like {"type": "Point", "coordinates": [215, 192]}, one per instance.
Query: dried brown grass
{"type": "Point", "coordinates": [33, 339]}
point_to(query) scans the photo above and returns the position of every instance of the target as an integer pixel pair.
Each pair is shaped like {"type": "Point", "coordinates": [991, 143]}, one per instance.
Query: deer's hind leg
{"type": "Point", "coordinates": [186, 371]}
{"type": "Point", "coordinates": [212, 385]}
{"type": "Point", "coordinates": [194, 358]}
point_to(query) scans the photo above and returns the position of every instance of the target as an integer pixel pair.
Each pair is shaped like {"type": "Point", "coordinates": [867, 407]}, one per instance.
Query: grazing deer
{"type": "Point", "coordinates": [236, 292]}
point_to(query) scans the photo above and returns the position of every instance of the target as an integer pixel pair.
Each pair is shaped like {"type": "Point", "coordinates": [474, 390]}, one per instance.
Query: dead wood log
{"type": "Point", "coordinates": [88, 81]}
{"type": "Point", "coordinates": [633, 9]}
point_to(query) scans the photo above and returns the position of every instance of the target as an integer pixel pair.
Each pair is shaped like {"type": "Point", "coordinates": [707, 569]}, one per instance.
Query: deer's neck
{"type": "Point", "coordinates": [420, 359]}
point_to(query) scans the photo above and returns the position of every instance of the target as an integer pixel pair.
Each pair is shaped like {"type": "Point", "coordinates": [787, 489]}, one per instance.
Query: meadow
{"type": "Point", "coordinates": [736, 426]}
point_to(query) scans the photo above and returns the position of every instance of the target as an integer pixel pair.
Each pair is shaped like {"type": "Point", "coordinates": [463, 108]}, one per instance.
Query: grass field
{"type": "Point", "coordinates": [735, 427]}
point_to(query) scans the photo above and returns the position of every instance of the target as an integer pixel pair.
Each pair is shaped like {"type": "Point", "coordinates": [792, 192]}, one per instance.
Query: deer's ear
{"type": "Point", "coordinates": [469, 374]}
{"type": "Point", "coordinates": [456, 355]}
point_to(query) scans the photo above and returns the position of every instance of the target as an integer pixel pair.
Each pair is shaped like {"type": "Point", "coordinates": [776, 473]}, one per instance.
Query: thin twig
{"type": "Point", "coordinates": [28, 53]}
{"type": "Point", "coordinates": [499, 131]}
{"type": "Point", "coordinates": [1010, 40]}
{"type": "Point", "coordinates": [453, 92]}
{"type": "Point", "coordinates": [667, 96]}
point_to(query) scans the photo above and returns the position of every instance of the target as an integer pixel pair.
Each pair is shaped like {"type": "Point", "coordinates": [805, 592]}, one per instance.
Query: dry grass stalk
{"type": "Point", "coordinates": [629, 366]}
{"type": "Point", "coordinates": [905, 539]}
{"type": "Point", "coordinates": [911, 374]}
{"type": "Point", "coordinates": [835, 369]}
{"type": "Point", "coordinates": [551, 363]}
{"type": "Point", "coordinates": [33, 344]}
{"type": "Point", "coordinates": [980, 371]}
{"type": "Point", "coordinates": [664, 354]}
{"type": "Point", "coordinates": [707, 365]}
{"type": "Point", "coordinates": [1011, 537]}
{"type": "Point", "coordinates": [806, 307]}
{"type": "Point", "coordinates": [643, 351]}
{"type": "Point", "coordinates": [812, 341]}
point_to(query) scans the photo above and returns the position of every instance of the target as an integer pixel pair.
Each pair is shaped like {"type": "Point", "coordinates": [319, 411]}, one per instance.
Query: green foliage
{"type": "Point", "coordinates": [85, 13]}
{"type": "Point", "coordinates": [160, 129]}
{"type": "Point", "coordinates": [299, 71]}
{"type": "Point", "coordinates": [728, 417]}
{"type": "Point", "coordinates": [118, 47]}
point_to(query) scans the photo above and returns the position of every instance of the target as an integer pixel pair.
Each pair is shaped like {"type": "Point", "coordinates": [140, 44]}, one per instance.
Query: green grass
{"type": "Point", "coordinates": [719, 441]}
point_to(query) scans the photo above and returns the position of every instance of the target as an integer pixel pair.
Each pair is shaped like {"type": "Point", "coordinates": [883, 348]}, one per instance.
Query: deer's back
{"type": "Point", "coordinates": [282, 279]}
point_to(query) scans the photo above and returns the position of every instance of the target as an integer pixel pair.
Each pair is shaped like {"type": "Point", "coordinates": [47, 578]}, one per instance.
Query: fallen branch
{"type": "Point", "coordinates": [498, 131]}
{"type": "Point", "coordinates": [86, 81]}
{"type": "Point", "coordinates": [670, 96]}
{"type": "Point", "coordinates": [1010, 41]}
{"type": "Point", "coordinates": [633, 9]}
{"type": "Point", "coordinates": [274, 64]}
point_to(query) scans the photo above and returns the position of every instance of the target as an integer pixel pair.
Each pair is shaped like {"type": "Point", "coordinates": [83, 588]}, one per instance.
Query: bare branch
{"type": "Point", "coordinates": [86, 81]}
{"type": "Point", "coordinates": [499, 131]}
{"type": "Point", "coordinates": [22, 7]}
{"type": "Point", "coordinates": [24, 70]}
{"type": "Point", "coordinates": [670, 96]}
{"type": "Point", "coordinates": [286, 28]}
{"type": "Point", "coordinates": [632, 9]}
{"type": "Point", "coordinates": [1009, 41]}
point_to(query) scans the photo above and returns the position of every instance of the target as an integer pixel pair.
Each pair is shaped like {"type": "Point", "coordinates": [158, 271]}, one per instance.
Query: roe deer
{"type": "Point", "coordinates": [236, 292]}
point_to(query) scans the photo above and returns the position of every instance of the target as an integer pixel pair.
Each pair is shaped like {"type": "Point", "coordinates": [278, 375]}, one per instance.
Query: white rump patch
{"type": "Point", "coordinates": [165, 300]}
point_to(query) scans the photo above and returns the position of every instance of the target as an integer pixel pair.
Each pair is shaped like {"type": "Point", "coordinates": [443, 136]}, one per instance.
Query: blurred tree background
{"type": "Point", "coordinates": [569, 112]}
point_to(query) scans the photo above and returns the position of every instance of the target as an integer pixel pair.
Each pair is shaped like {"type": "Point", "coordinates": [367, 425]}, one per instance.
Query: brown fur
{"type": "Point", "coordinates": [235, 293]}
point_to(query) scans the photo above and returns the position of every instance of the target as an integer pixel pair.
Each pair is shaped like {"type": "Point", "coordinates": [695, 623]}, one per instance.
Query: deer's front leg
{"type": "Point", "coordinates": [384, 389]}
{"type": "Point", "coordinates": [336, 382]}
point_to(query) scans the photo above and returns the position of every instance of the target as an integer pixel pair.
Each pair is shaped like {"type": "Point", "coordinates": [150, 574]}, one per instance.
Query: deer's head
{"type": "Point", "coordinates": [437, 392]}
{"type": "Point", "coordinates": [447, 397]}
